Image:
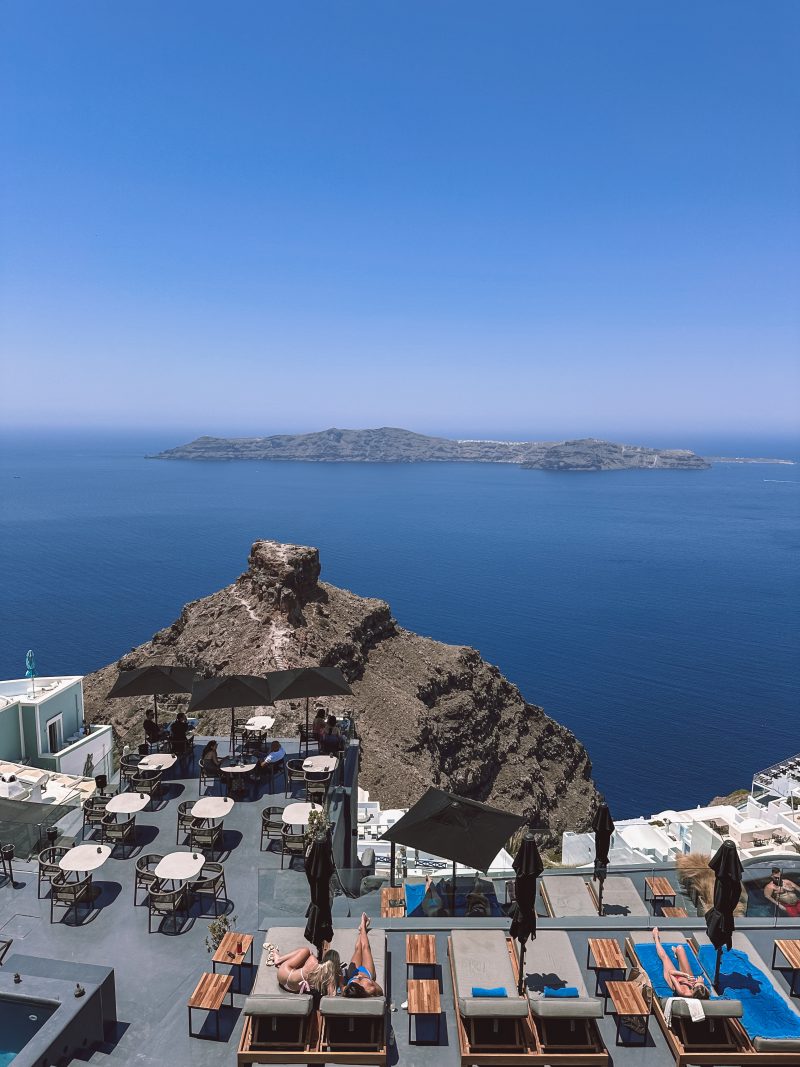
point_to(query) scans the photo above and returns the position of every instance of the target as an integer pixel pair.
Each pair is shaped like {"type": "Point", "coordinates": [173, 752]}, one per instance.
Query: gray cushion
{"type": "Point", "coordinates": [554, 965]}
{"type": "Point", "coordinates": [620, 897]}
{"type": "Point", "coordinates": [712, 1009]}
{"type": "Point", "coordinates": [567, 895]}
{"type": "Point", "coordinates": [267, 997]}
{"type": "Point", "coordinates": [480, 958]}
{"type": "Point", "coordinates": [344, 941]}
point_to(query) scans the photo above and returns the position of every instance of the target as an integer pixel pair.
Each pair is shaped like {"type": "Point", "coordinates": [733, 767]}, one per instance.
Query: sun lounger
{"type": "Point", "coordinates": [276, 1021]}
{"type": "Point", "coordinates": [718, 1038]}
{"type": "Point", "coordinates": [565, 1025]}
{"type": "Point", "coordinates": [491, 1027]}
{"type": "Point", "coordinates": [620, 897]}
{"type": "Point", "coordinates": [354, 1028]}
{"type": "Point", "coordinates": [566, 895]}
{"type": "Point", "coordinates": [769, 1018]}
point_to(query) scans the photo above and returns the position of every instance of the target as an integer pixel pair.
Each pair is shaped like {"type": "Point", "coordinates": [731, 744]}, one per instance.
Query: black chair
{"type": "Point", "coordinates": [317, 789]}
{"type": "Point", "coordinates": [48, 865]}
{"type": "Point", "coordinates": [292, 845]}
{"type": "Point", "coordinates": [129, 768]}
{"type": "Point", "coordinates": [145, 874]}
{"type": "Point", "coordinates": [210, 883]}
{"type": "Point", "coordinates": [295, 775]}
{"type": "Point", "coordinates": [119, 833]}
{"type": "Point", "coordinates": [209, 774]}
{"type": "Point", "coordinates": [206, 839]}
{"type": "Point", "coordinates": [271, 824]}
{"type": "Point", "coordinates": [64, 894]}
{"type": "Point", "coordinates": [166, 902]}
{"type": "Point", "coordinates": [94, 810]}
{"type": "Point", "coordinates": [149, 783]}
{"type": "Point", "coordinates": [185, 819]}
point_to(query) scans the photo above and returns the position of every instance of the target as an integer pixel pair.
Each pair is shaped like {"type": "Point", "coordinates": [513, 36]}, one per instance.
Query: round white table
{"type": "Point", "coordinates": [212, 808]}
{"type": "Point", "coordinates": [260, 722]}
{"type": "Point", "coordinates": [127, 803]}
{"type": "Point", "coordinates": [84, 858]}
{"type": "Point", "coordinates": [180, 866]}
{"type": "Point", "coordinates": [320, 764]}
{"type": "Point", "coordinates": [297, 814]}
{"type": "Point", "coordinates": [157, 761]}
{"type": "Point", "coordinates": [239, 768]}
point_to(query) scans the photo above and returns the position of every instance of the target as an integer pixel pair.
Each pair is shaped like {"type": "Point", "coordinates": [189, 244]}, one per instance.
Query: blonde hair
{"type": "Point", "coordinates": [322, 976]}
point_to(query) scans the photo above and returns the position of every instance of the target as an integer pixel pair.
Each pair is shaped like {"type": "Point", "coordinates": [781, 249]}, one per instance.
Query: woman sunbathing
{"type": "Point", "coordinates": [359, 979]}
{"type": "Point", "coordinates": [301, 972]}
{"type": "Point", "coordinates": [680, 979]}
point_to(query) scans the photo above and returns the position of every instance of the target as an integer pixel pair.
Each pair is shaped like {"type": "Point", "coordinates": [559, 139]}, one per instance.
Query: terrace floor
{"type": "Point", "coordinates": [156, 973]}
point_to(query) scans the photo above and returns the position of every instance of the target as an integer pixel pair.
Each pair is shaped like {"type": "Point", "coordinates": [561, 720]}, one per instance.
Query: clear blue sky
{"type": "Point", "coordinates": [538, 219]}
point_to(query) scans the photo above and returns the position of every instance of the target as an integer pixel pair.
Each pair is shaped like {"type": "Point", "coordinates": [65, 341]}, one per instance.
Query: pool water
{"type": "Point", "coordinates": [758, 905]}
{"type": "Point", "coordinates": [19, 1021]}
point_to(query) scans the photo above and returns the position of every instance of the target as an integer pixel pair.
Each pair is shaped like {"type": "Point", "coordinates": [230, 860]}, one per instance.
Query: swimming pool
{"type": "Point", "coordinates": [20, 1019]}
{"type": "Point", "coordinates": [760, 906]}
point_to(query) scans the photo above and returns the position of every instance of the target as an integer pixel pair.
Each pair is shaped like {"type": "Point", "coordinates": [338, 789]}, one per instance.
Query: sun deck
{"type": "Point", "coordinates": [156, 973]}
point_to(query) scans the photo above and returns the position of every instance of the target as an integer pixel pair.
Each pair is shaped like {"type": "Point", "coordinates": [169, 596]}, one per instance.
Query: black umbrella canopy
{"type": "Point", "coordinates": [603, 826]}
{"type": "Point", "coordinates": [455, 828]}
{"type": "Point", "coordinates": [528, 866]}
{"type": "Point", "coordinates": [230, 691]}
{"type": "Point", "coordinates": [152, 680]}
{"type": "Point", "coordinates": [308, 682]}
{"type": "Point", "coordinates": [727, 868]}
{"type": "Point", "coordinates": [319, 867]}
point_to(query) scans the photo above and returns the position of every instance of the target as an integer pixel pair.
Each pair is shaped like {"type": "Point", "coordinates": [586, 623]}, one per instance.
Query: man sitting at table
{"type": "Point", "coordinates": [275, 756]}
{"type": "Point", "coordinates": [152, 731]}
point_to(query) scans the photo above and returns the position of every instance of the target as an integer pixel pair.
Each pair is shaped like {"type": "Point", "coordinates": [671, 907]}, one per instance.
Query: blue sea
{"type": "Point", "coordinates": [654, 613]}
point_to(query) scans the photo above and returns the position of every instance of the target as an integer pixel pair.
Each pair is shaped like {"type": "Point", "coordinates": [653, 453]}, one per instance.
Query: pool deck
{"type": "Point", "coordinates": [156, 973]}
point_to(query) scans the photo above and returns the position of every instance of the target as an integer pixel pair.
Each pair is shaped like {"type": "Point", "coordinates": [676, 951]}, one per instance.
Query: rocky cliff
{"type": "Point", "coordinates": [391, 445]}
{"type": "Point", "coordinates": [427, 713]}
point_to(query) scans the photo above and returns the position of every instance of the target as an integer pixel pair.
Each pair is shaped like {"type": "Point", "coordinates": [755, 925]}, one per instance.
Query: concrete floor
{"type": "Point", "coordinates": [156, 973]}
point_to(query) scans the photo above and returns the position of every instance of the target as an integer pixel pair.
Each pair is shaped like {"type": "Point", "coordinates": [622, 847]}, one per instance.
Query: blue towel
{"type": "Point", "coordinates": [648, 957]}
{"type": "Point", "coordinates": [479, 991]}
{"type": "Point", "coordinates": [414, 894]}
{"type": "Point", "coordinates": [565, 991]}
{"type": "Point", "coordinates": [764, 1012]}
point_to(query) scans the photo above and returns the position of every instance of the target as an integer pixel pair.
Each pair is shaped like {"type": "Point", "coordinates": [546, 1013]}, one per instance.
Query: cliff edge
{"type": "Point", "coordinates": [426, 713]}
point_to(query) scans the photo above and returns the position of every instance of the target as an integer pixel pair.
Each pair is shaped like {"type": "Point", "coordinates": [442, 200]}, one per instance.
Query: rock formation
{"type": "Point", "coordinates": [426, 713]}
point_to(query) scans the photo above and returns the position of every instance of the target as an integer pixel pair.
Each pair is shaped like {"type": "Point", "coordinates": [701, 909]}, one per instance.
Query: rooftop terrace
{"type": "Point", "coordinates": [156, 973]}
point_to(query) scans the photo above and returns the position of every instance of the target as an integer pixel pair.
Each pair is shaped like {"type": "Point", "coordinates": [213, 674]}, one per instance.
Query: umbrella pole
{"type": "Point", "coordinates": [716, 969]}
{"type": "Point", "coordinates": [392, 858]}
{"type": "Point", "coordinates": [155, 707]}
{"type": "Point", "coordinates": [453, 913]}
{"type": "Point", "coordinates": [306, 725]}
{"type": "Point", "coordinates": [233, 732]}
{"type": "Point", "coordinates": [521, 988]}
{"type": "Point", "coordinates": [600, 898]}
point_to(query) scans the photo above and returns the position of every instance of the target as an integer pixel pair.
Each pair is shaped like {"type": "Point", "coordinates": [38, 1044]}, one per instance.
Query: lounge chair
{"type": "Point", "coordinates": [276, 1022]}
{"type": "Point", "coordinates": [565, 1026]}
{"type": "Point", "coordinates": [355, 1027]}
{"type": "Point", "coordinates": [718, 1039]}
{"type": "Point", "coordinates": [745, 976]}
{"type": "Point", "coordinates": [495, 1028]}
{"type": "Point", "coordinates": [565, 895]}
{"type": "Point", "coordinates": [620, 897]}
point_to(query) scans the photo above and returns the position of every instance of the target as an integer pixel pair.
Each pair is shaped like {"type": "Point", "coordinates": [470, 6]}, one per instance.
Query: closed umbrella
{"type": "Point", "coordinates": [230, 691]}
{"type": "Point", "coordinates": [308, 682]}
{"type": "Point", "coordinates": [603, 826]}
{"type": "Point", "coordinates": [30, 669]}
{"type": "Point", "coordinates": [319, 867]}
{"type": "Point", "coordinates": [727, 868]}
{"type": "Point", "coordinates": [152, 680]}
{"type": "Point", "coordinates": [527, 866]}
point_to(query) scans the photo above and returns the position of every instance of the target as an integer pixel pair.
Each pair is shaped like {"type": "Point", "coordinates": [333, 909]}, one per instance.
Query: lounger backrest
{"type": "Point", "coordinates": [266, 980]}
{"type": "Point", "coordinates": [568, 895]}
{"type": "Point", "coordinates": [550, 961]}
{"type": "Point", "coordinates": [480, 959]}
{"type": "Point", "coordinates": [620, 897]}
{"type": "Point", "coordinates": [344, 941]}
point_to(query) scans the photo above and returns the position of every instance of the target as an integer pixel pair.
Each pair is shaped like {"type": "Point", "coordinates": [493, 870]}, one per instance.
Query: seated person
{"type": "Point", "coordinates": [318, 725]}
{"type": "Point", "coordinates": [331, 740]}
{"type": "Point", "coordinates": [152, 731]}
{"type": "Point", "coordinates": [211, 761]}
{"type": "Point", "coordinates": [478, 906]}
{"type": "Point", "coordinates": [275, 755]}
{"type": "Point", "coordinates": [178, 731]}
{"type": "Point", "coordinates": [359, 979]}
{"type": "Point", "coordinates": [783, 893]}
{"type": "Point", "coordinates": [300, 971]}
{"type": "Point", "coordinates": [432, 903]}
{"type": "Point", "coordinates": [680, 979]}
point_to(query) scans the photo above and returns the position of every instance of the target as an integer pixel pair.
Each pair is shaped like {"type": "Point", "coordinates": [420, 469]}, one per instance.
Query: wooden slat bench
{"type": "Point", "coordinates": [208, 995]}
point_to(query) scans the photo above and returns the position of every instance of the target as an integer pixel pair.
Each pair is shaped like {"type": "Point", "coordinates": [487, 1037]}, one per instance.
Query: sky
{"type": "Point", "coordinates": [521, 219]}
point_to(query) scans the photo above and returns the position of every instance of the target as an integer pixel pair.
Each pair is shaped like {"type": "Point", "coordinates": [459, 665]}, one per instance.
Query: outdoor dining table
{"type": "Point", "coordinates": [238, 770]}
{"type": "Point", "coordinates": [157, 761]}
{"type": "Point", "coordinates": [320, 764]}
{"type": "Point", "coordinates": [298, 814]}
{"type": "Point", "coordinates": [127, 803]}
{"type": "Point", "coordinates": [260, 722]}
{"type": "Point", "coordinates": [179, 866]}
{"type": "Point", "coordinates": [83, 859]}
{"type": "Point", "coordinates": [211, 808]}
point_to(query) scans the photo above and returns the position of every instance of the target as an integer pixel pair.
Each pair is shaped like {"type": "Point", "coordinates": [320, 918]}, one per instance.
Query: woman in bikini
{"type": "Point", "coordinates": [300, 971]}
{"type": "Point", "coordinates": [359, 980]}
{"type": "Point", "coordinates": [680, 979]}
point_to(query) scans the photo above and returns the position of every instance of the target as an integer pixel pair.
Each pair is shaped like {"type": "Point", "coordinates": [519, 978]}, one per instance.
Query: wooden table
{"type": "Point", "coordinates": [389, 911]}
{"type": "Point", "coordinates": [628, 999]}
{"type": "Point", "coordinates": [209, 994]}
{"type": "Point", "coordinates": [791, 951]}
{"type": "Point", "coordinates": [227, 952]}
{"type": "Point", "coordinates": [424, 999]}
{"type": "Point", "coordinates": [604, 954]}
{"type": "Point", "coordinates": [420, 952]}
{"type": "Point", "coordinates": [674, 913]}
{"type": "Point", "coordinates": [660, 890]}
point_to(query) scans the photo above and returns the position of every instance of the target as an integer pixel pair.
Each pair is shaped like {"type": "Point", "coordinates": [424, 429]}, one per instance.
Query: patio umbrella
{"type": "Point", "coordinates": [230, 691]}
{"type": "Point", "coordinates": [319, 867]}
{"type": "Point", "coordinates": [603, 826]}
{"type": "Point", "coordinates": [727, 868]}
{"type": "Point", "coordinates": [30, 669]}
{"type": "Point", "coordinates": [528, 866]}
{"type": "Point", "coordinates": [308, 682]}
{"type": "Point", "coordinates": [455, 828]}
{"type": "Point", "coordinates": [152, 680]}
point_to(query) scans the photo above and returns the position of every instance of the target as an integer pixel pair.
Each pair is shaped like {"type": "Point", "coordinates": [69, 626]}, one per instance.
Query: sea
{"type": "Point", "coordinates": [654, 613]}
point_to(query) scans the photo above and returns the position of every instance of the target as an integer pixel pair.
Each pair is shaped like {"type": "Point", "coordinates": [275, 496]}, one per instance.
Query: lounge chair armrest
{"type": "Point", "coordinates": [776, 1044]}
{"type": "Point", "coordinates": [720, 1008]}
{"type": "Point", "coordinates": [353, 1007]}
{"type": "Point", "coordinates": [493, 1007]}
{"type": "Point", "coordinates": [292, 1004]}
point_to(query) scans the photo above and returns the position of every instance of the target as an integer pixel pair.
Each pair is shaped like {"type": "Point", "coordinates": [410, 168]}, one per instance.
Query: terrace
{"type": "Point", "coordinates": [156, 973]}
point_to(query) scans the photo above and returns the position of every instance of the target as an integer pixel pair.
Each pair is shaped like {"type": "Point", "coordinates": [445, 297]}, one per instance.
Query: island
{"type": "Point", "coordinates": [392, 445]}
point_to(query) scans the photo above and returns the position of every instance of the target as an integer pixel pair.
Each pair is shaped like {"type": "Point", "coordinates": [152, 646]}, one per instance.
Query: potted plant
{"type": "Point", "coordinates": [217, 929]}
{"type": "Point", "coordinates": [318, 827]}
